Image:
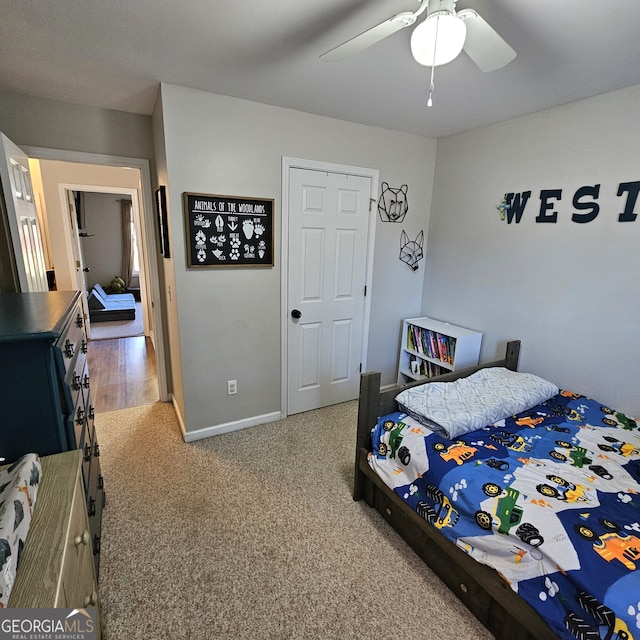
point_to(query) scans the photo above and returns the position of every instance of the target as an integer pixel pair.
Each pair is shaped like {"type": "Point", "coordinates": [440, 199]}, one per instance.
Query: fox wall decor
{"type": "Point", "coordinates": [411, 250]}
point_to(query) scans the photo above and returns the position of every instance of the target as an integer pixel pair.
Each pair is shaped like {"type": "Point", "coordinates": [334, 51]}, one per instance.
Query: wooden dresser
{"type": "Point", "coordinates": [46, 391]}
{"type": "Point", "coordinates": [56, 568]}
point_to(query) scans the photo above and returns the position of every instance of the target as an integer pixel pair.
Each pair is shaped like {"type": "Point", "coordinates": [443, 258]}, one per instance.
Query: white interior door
{"type": "Point", "coordinates": [24, 227]}
{"type": "Point", "coordinates": [78, 258]}
{"type": "Point", "coordinates": [328, 231]}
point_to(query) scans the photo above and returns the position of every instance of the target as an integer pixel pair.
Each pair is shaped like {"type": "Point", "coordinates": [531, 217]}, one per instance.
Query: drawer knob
{"type": "Point", "coordinates": [69, 348]}
{"type": "Point", "coordinates": [76, 381]}
{"type": "Point", "coordinates": [91, 600]}
{"type": "Point", "coordinates": [85, 382]}
{"type": "Point", "coordinates": [79, 416]}
{"type": "Point", "coordinates": [87, 452]}
{"type": "Point", "coordinates": [83, 538]}
{"type": "Point", "coordinates": [85, 346]}
{"type": "Point", "coordinates": [79, 321]}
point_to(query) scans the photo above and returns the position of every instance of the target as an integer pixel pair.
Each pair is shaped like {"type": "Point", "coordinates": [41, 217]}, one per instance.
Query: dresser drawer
{"type": "Point", "coordinates": [73, 390]}
{"type": "Point", "coordinates": [73, 378]}
{"type": "Point", "coordinates": [86, 447]}
{"type": "Point", "coordinates": [72, 339]}
{"type": "Point", "coordinates": [77, 586]}
{"type": "Point", "coordinates": [79, 419]}
{"type": "Point", "coordinates": [86, 393]}
{"type": "Point", "coordinates": [95, 504]}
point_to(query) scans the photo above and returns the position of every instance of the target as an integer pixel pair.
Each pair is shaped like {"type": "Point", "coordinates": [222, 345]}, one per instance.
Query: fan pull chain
{"type": "Point", "coordinates": [431, 90]}
{"type": "Point", "coordinates": [433, 66]}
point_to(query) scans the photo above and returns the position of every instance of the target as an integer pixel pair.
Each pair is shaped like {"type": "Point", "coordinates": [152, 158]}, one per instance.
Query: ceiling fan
{"type": "Point", "coordinates": [438, 39]}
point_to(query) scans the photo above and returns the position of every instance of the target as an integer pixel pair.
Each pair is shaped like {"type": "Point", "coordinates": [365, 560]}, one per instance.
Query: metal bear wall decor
{"type": "Point", "coordinates": [411, 250]}
{"type": "Point", "coordinates": [393, 204]}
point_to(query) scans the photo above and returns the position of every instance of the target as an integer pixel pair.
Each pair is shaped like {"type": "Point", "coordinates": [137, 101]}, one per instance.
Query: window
{"type": "Point", "coordinates": [135, 267]}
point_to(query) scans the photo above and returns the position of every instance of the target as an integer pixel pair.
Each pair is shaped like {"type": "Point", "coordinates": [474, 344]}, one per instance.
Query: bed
{"type": "Point", "coordinates": [532, 520]}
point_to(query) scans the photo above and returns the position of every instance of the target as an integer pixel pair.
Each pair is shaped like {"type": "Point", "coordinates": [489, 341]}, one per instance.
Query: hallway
{"type": "Point", "coordinates": [123, 373]}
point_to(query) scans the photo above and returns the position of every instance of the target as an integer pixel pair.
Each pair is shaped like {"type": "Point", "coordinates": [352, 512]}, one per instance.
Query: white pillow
{"type": "Point", "coordinates": [467, 404]}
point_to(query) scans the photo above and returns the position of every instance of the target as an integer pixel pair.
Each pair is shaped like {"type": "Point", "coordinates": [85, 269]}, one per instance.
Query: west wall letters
{"type": "Point", "coordinates": [584, 204]}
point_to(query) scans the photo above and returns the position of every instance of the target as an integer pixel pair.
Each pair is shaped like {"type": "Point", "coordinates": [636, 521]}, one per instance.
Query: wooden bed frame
{"type": "Point", "coordinates": [478, 586]}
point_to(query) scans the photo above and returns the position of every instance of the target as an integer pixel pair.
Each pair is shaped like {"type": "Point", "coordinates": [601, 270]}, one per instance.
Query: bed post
{"type": "Point", "coordinates": [367, 416]}
{"type": "Point", "coordinates": [512, 355]}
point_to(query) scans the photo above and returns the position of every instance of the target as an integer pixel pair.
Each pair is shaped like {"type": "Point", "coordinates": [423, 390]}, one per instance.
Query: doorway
{"type": "Point", "coordinates": [328, 240]}
{"type": "Point", "coordinates": [141, 192]}
{"type": "Point", "coordinates": [107, 226]}
{"type": "Point", "coordinates": [120, 355]}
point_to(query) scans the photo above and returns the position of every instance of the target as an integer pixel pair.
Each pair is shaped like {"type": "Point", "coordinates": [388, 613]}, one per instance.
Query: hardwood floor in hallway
{"type": "Point", "coordinates": [123, 373]}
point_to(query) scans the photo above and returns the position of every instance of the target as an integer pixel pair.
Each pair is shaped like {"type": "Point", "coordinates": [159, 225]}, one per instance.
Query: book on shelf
{"type": "Point", "coordinates": [431, 343]}
{"type": "Point", "coordinates": [446, 348]}
{"type": "Point", "coordinates": [424, 368]}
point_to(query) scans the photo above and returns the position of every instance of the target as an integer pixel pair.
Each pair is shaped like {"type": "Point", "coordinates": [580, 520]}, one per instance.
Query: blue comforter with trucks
{"type": "Point", "coordinates": [549, 497]}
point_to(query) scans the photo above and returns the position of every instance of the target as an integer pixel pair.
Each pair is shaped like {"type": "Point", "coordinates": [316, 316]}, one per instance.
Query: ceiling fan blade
{"type": "Point", "coordinates": [370, 37]}
{"type": "Point", "coordinates": [483, 44]}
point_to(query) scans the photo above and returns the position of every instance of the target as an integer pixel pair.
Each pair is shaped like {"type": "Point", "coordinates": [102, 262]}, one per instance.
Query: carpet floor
{"type": "Point", "coordinates": [254, 535]}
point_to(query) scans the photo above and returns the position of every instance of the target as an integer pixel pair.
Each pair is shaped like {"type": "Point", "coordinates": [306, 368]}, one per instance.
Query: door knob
{"type": "Point", "coordinates": [87, 269]}
{"type": "Point", "coordinates": [296, 314]}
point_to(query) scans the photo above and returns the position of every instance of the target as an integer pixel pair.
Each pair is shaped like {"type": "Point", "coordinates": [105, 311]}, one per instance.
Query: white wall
{"type": "Point", "coordinates": [229, 319]}
{"type": "Point", "coordinates": [570, 291]}
{"type": "Point", "coordinates": [39, 122]}
{"type": "Point", "coordinates": [166, 274]}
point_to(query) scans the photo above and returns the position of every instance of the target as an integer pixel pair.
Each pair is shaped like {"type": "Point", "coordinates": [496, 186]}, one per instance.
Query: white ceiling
{"type": "Point", "coordinates": [114, 53]}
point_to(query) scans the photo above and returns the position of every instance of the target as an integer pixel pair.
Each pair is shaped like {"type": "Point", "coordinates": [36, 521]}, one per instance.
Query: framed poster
{"type": "Point", "coordinates": [228, 231]}
{"type": "Point", "coordinates": [161, 212]}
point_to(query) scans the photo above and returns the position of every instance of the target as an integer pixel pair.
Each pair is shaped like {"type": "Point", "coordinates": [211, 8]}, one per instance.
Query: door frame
{"type": "Point", "coordinates": [64, 188]}
{"type": "Point", "coordinates": [289, 163]}
{"type": "Point", "coordinates": [150, 254]}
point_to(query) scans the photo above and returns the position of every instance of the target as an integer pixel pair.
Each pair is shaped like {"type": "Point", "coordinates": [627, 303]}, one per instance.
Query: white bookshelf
{"type": "Point", "coordinates": [430, 347]}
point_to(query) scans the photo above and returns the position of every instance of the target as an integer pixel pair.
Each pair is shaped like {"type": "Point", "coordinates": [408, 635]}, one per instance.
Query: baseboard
{"type": "Point", "coordinates": [207, 432]}
{"type": "Point", "coordinates": [178, 415]}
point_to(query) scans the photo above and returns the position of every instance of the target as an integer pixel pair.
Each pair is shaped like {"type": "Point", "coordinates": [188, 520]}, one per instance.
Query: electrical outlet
{"type": "Point", "coordinates": [232, 387]}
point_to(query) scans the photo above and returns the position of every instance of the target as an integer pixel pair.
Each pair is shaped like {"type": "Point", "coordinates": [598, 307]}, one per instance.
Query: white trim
{"type": "Point", "coordinates": [289, 163]}
{"type": "Point", "coordinates": [149, 245]}
{"type": "Point", "coordinates": [208, 432]}
{"type": "Point", "coordinates": [176, 408]}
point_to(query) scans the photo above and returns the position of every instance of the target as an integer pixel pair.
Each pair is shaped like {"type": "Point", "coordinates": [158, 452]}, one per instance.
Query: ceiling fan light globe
{"type": "Point", "coordinates": [429, 50]}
